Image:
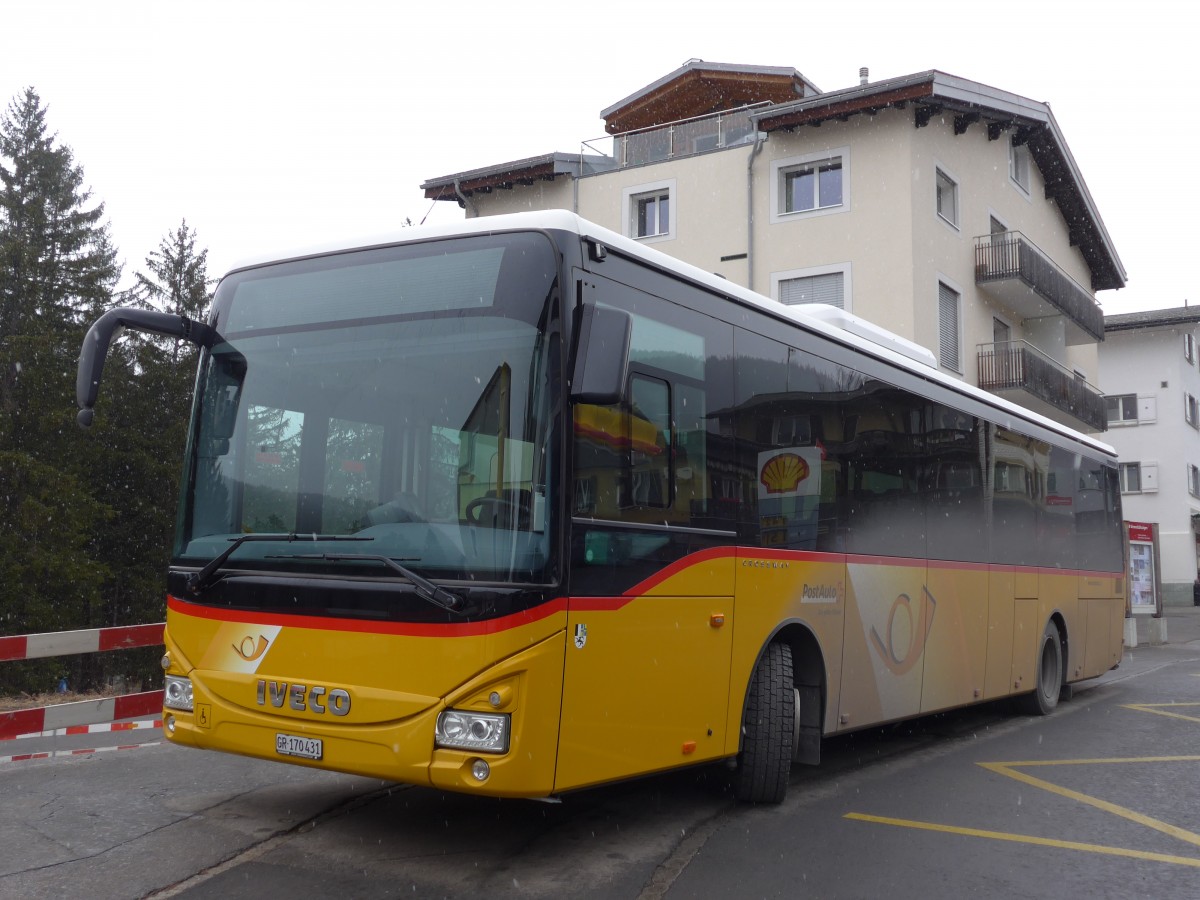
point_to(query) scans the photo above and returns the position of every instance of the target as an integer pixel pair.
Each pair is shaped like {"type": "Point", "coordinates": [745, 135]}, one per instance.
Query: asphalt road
{"type": "Point", "coordinates": [1098, 800]}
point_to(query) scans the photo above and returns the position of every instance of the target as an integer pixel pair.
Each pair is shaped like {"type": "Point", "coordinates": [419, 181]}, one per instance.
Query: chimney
{"type": "Point", "coordinates": [862, 75]}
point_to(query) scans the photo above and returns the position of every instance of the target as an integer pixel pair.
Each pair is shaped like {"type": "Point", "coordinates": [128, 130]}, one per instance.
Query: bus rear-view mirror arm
{"type": "Point", "coordinates": [100, 337]}
{"type": "Point", "coordinates": [601, 355]}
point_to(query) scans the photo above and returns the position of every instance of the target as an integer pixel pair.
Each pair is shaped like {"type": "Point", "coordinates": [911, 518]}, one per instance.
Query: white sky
{"type": "Point", "coordinates": [275, 125]}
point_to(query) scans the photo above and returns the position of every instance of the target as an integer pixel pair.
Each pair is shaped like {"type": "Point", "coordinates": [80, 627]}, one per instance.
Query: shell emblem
{"type": "Point", "coordinates": [783, 473]}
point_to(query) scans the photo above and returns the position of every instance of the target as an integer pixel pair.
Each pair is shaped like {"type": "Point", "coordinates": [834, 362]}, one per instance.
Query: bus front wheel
{"type": "Point", "coordinates": [1045, 696]}
{"type": "Point", "coordinates": [765, 762]}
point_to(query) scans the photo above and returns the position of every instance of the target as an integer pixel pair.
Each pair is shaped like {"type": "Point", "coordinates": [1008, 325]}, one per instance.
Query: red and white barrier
{"type": "Point", "coordinates": [83, 712]}
{"type": "Point", "coordinates": [90, 640]}
{"type": "Point", "coordinates": [51, 754]}
{"type": "Point", "coordinates": [139, 725]}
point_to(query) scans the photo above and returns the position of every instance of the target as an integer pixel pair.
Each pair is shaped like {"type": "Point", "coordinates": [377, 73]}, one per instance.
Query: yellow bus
{"type": "Point", "coordinates": [520, 506]}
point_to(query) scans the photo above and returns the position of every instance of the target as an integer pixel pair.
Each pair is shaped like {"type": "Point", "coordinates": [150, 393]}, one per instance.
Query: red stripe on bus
{"type": "Point", "coordinates": [414, 629]}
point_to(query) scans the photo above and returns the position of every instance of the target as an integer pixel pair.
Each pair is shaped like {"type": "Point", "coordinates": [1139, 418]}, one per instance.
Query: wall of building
{"type": "Point", "coordinates": [1141, 362]}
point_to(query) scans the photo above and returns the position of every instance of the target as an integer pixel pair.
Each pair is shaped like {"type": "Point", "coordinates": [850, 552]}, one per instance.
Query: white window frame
{"type": "Point", "coordinates": [779, 171]}
{"type": "Point", "coordinates": [1125, 469]}
{"type": "Point", "coordinates": [1191, 410]}
{"type": "Point", "coordinates": [630, 198]}
{"type": "Point", "coordinates": [778, 278]}
{"type": "Point", "coordinates": [1189, 348]}
{"type": "Point", "coordinates": [1123, 401]}
{"type": "Point", "coordinates": [954, 286]}
{"type": "Point", "coordinates": [1193, 480]}
{"type": "Point", "coordinates": [948, 216]}
{"type": "Point", "coordinates": [1020, 166]}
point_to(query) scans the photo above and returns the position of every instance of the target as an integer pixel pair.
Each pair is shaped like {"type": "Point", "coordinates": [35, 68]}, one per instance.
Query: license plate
{"type": "Point", "coordinates": [294, 745]}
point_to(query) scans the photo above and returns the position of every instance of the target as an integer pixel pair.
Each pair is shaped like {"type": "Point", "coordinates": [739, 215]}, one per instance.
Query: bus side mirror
{"type": "Point", "coordinates": [601, 355]}
{"type": "Point", "coordinates": [100, 336]}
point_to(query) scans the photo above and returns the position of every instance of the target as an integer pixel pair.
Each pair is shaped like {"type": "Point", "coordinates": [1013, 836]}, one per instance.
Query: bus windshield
{"type": "Point", "coordinates": [399, 395]}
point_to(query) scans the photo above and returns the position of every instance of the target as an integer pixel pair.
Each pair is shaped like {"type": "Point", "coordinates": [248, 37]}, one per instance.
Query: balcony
{"type": "Point", "coordinates": [1022, 373]}
{"type": "Point", "coordinates": [686, 137]}
{"type": "Point", "coordinates": [1011, 268]}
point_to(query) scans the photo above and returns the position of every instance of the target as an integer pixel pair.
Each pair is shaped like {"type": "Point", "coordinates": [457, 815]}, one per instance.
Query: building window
{"type": "Point", "coordinates": [1018, 165]}
{"type": "Point", "coordinates": [815, 184]}
{"type": "Point", "coordinates": [947, 198]}
{"type": "Point", "coordinates": [651, 211]}
{"type": "Point", "coordinates": [652, 215]}
{"type": "Point", "coordinates": [1190, 412]}
{"type": "Point", "coordinates": [1131, 478]}
{"type": "Point", "coordinates": [949, 303]}
{"type": "Point", "coordinates": [1194, 480]}
{"type": "Point", "coordinates": [1189, 348]}
{"type": "Point", "coordinates": [1122, 409]}
{"type": "Point", "coordinates": [828, 287]}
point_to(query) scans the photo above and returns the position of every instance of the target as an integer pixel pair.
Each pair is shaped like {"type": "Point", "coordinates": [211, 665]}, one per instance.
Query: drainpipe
{"type": "Point", "coordinates": [472, 212]}
{"type": "Point", "coordinates": [758, 142]}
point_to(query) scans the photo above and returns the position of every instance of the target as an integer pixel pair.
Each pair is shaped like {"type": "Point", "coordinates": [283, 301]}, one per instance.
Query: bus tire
{"type": "Point", "coordinates": [765, 762]}
{"type": "Point", "coordinates": [1045, 695]}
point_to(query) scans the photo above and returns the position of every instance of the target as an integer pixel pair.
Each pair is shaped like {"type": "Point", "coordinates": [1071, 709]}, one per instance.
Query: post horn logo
{"type": "Point", "coordinates": [901, 659]}
{"type": "Point", "coordinates": [249, 649]}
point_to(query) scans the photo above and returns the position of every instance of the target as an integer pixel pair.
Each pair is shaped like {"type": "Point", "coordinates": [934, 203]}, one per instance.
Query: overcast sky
{"type": "Point", "coordinates": [277, 125]}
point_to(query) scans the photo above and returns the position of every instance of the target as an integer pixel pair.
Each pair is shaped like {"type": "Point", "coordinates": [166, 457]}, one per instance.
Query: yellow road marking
{"type": "Point", "coordinates": [1026, 839]}
{"type": "Point", "coordinates": [1160, 709]}
{"type": "Point", "coordinates": [1008, 769]}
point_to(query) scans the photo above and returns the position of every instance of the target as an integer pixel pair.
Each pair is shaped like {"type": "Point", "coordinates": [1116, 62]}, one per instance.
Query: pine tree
{"type": "Point", "coordinates": [57, 269]}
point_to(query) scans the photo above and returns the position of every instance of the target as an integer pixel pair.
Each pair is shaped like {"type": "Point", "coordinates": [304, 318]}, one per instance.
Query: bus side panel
{"type": "Point", "coordinates": [776, 587]}
{"type": "Point", "coordinates": [1001, 619]}
{"type": "Point", "coordinates": [646, 678]}
{"type": "Point", "coordinates": [889, 614]}
{"type": "Point", "coordinates": [956, 648]}
{"type": "Point", "coordinates": [1059, 592]}
{"type": "Point", "coordinates": [1027, 629]}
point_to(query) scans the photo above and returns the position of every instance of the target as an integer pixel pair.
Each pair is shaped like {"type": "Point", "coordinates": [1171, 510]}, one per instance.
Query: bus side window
{"type": "Point", "coordinates": [649, 440]}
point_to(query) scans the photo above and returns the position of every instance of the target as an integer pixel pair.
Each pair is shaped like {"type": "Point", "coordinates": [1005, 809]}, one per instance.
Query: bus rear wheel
{"type": "Point", "coordinates": [1045, 696]}
{"type": "Point", "coordinates": [765, 762]}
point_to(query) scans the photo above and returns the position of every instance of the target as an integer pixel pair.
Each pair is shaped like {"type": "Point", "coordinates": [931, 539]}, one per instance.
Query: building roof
{"type": "Point", "coordinates": [522, 171]}
{"type": "Point", "coordinates": [1154, 318]}
{"type": "Point", "coordinates": [698, 88]}
{"type": "Point", "coordinates": [935, 94]}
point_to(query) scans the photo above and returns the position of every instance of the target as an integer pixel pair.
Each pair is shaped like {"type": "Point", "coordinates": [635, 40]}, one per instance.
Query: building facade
{"type": "Point", "coordinates": [943, 210]}
{"type": "Point", "coordinates": [1150, 375]}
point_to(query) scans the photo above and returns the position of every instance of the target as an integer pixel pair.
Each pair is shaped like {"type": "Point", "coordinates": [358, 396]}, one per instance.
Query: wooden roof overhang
{"type": "Point", "coordinates": [699, 90]}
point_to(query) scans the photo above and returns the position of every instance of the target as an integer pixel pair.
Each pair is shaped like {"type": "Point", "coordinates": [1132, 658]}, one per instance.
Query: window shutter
{"type": "Point", "coordinates": [1147, 408]}
{"type": "Point", "coordinates": [828, 288]}
{"type": "Point", "coordinates": [948, 327]}
{"type": "Point", "coordinates": [1149, 477]}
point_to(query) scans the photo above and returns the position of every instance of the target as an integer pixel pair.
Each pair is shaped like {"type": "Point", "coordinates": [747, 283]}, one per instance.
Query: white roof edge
{"type": "Point", "coordinates": [562, 220]}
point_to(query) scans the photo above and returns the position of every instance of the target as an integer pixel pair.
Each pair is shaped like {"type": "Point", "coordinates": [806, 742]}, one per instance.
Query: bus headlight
{"type": "Point", "coordinates": [464, 730]}
{"type": "Point", "coordinates": [177, 693]}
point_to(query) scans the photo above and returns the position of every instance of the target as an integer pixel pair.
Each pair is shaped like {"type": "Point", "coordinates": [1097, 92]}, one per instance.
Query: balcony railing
{"type": "Point", "coordinates": [685, 137]}
{"type": "Point", "coordinates": [1010, 256]}
{"type": "Point", "coordinates": [1019, 366]}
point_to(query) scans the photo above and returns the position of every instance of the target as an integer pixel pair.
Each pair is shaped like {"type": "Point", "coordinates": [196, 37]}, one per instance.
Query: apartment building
{"type": "Point", "coordinates": [947, 211]}
{"type": "Point", "coordinates": [1150, 375]}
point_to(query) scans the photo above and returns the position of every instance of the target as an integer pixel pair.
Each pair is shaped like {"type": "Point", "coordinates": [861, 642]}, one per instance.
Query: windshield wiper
{"type": "Point", "coordinates": [198, 581]}
{"type": "Point", "coordinates": [426, 589]}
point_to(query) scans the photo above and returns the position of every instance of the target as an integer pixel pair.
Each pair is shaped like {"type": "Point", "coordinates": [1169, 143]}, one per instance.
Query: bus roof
{"type": "Point", "coordinates": [829, 322]}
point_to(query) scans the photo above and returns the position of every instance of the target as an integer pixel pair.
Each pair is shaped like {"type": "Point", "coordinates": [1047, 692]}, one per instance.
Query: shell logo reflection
{"type": "Point", "coordinates": [783, 473]}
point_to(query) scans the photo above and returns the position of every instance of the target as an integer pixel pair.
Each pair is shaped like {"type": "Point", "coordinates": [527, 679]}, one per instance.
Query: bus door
{"type": "Point", "coordinates": [650, 618]}
{"type": "Point", "coordinates": [890, 609]}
